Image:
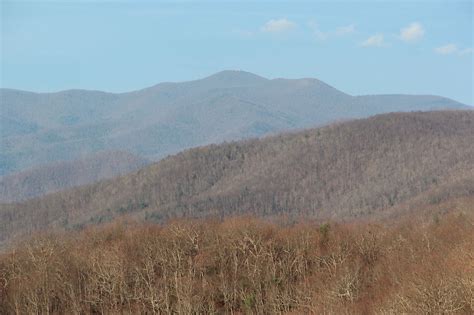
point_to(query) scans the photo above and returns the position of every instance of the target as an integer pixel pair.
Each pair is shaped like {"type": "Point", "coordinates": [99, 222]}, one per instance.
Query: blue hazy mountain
{"type": "Point", "coordinates": [39, 128]}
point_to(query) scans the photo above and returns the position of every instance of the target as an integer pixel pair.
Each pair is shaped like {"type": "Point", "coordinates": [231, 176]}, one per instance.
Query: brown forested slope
{"type": "Point", "coordinates": [354, 169]}
{"type": "Point", "coordinates": [244, 265]}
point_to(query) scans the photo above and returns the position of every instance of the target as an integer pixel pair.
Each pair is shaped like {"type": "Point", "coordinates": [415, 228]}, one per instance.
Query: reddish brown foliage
{"type": "Point", "coordinates": [245, 265]}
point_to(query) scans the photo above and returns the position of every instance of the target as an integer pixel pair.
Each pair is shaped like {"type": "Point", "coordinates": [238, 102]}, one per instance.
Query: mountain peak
{"type": "Point", "coordinates": [238, 77]}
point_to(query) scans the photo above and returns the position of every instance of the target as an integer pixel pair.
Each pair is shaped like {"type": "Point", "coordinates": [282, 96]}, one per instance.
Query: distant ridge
{"type": "Point", "coordinates": [58, 176]}
{"type": "Point", "coordinates": [39, 128]}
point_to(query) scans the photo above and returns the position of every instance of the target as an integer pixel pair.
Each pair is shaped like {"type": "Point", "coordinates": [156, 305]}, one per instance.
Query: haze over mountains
{"type": "Point", "coordinates": [39, 128]}
{"type": "Point", "coordinates": [57, 176]}
{"type": "Point", "coordinates": [357, 169]}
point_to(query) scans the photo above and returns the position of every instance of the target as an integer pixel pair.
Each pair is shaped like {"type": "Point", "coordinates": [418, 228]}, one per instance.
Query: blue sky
{"type": "Point", "coordinates": [360, 47]}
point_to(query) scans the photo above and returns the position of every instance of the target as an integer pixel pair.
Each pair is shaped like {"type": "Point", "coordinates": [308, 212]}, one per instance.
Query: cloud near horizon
{"type": "Point", "coordinates": [376, 40]}
{"type": "Point", "coordinates": [446, 49]}
{"type": "Point", "coordinates": [451, 48]}
{"type": "Point", "coordinates": [278, 26]}
{"type": "Point", "coordinates": [322, 35]}
{"type": "Point", "coordinates": [412, 33]}
{"type": "Point", "coordinates": [465, 51]}
{"type": "Point", "coordinates": [344, 30]}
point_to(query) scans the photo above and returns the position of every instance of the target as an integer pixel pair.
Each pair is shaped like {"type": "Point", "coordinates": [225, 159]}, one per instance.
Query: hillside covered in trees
{"type": "Point", "coordinates": [415, 265]}
{"type": "Point", "coordinates": [365, 168]}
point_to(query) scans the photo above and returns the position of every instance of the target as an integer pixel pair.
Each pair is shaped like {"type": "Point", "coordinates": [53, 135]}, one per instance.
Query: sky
{"type": "Point", "coordinates": [359, 47]}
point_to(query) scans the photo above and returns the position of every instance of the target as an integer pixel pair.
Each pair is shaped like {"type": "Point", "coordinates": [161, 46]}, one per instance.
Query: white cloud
{"type": "Point", "coordinates": [412, 32]}
{"type": "Point", "coordinates": [465, 51]}
{"type": "Point", "coordinates": [450, 49]}
{"type": "Point", "coordinates": [344, 30]}
{"type": "Point", "coordinates": [376, 40]}
{"type": "Point", "coordinates": [278, 26]}
{"type": "Point", "coordinates": [340, 31]}
{"type": "Point", "coordinates": [244, 33]}
{"type": "Point", "coordinates": [317, 31]}
{"type": "Point", "coordinates": [446, 49]}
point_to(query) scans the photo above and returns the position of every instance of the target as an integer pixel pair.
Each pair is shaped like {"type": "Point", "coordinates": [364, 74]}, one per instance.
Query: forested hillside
{"type": "Point", "coordinates": [245, 265]}
{"type": "Point", "coordinates": [356, 169]}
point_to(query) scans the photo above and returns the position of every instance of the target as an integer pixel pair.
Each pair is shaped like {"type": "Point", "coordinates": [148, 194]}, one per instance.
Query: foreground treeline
{"type": "Point", "coordinates": [245, 265]}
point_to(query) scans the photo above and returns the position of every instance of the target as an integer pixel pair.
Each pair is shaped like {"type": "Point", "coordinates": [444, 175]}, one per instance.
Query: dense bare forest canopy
{"type": "Point", "coordinates": [373, 167]}
{"type": "Point", "coordinates": [244, 265]}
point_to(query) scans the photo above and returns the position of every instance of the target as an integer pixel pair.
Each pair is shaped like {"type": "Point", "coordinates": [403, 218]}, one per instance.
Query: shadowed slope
{"type": "Point", "coordinates": [66, 174]}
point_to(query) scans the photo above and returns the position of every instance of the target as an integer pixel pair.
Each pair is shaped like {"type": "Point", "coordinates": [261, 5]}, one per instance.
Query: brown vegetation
{"type": "Point", "coordinates": [357, 169]}
{"type": "Point", "coordinates": [246, 265]}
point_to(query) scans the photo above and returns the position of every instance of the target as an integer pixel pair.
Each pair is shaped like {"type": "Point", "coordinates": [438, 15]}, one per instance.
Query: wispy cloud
{"type": "Point", "coordinates": [323, 35]}
{"type": "Point", "coordinates": [451, 48]}
{"type": "Point", "coordinates": [244, 33]}
{"type": "Point", "coordinates": [278, 26]}
{"type": "Point", "coordinates": [345, 30]}
{"type": "Point", "coordinates": [465, 51]}
{"type": "Point", "coordinates": [376, 40]}
{"type": "Point", "coordinates": [313, 25]}
{"type": "Point", "coordinates": [446, 49]}
{"type": "Point", "coordinates": [412, 33]}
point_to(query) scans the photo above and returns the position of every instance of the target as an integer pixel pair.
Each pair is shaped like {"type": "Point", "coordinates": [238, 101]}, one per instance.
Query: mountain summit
{"type": "Point", "coordinates": [38, 128]}
{"type": "Point", "coordinates": [235, 78]}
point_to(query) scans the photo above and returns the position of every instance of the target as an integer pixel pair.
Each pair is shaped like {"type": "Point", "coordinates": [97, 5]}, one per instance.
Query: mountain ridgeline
{"type": "Point", "coordinates": [362, 169]}
{"type": "Point", "coordinates": [39, 128]}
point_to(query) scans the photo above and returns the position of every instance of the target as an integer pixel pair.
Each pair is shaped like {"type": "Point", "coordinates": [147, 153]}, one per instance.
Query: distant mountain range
{"type": "Point", "coordinates": [365, 169]}
{"type": "Point", "coordinates": [58, 176]}
{"type": "Point", "coordinates": [39, 128]}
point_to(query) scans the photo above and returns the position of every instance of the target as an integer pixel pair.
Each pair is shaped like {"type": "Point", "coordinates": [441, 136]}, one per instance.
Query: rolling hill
{"type": "Point", "coordinates": [39, 128]}
{"type": "Point", "coordinates": [368, 168]}
{"type": "Point", "coordinates": [67, 174]}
